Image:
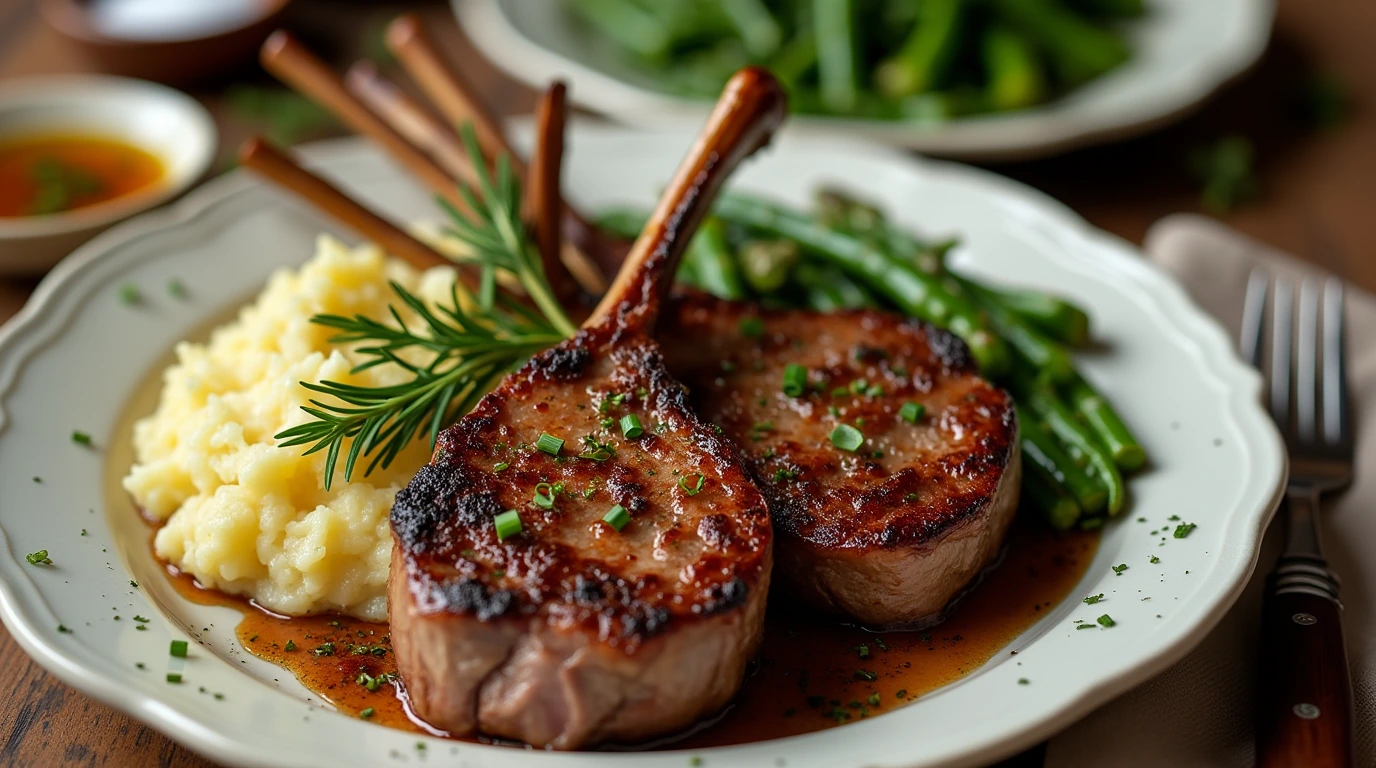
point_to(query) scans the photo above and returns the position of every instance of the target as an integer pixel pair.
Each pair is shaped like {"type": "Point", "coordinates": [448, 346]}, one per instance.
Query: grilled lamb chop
{"type": "Point", "coordinates": [886, 534]}
{"type": "Point", "coordinates": [573, 632]}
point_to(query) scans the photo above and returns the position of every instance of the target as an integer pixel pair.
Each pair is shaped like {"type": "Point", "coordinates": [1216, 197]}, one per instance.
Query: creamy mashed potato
{"type": "Point", "coordinates": [243, 515]}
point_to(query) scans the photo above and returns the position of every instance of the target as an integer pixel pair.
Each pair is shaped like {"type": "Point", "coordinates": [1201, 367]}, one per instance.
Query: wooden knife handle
{"type": "Point", "coordinates": [1304, 717]}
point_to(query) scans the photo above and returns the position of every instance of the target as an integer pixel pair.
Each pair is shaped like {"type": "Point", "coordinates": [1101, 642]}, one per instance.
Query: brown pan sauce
{"type": "Point", "coordinates": [810, 676]}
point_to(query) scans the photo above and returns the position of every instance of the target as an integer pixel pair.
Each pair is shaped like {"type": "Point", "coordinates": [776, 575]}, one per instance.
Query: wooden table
{"type": "Point", "coordinates": [1318, 200]}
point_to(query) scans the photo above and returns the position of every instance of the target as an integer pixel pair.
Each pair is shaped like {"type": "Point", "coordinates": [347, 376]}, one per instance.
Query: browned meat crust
{"type": "Point", "coordinates": [887, 534]}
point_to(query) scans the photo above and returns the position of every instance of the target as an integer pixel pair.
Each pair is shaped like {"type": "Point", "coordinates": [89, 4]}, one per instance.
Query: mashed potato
{"type": "Point", "coordinates": [243, 515]}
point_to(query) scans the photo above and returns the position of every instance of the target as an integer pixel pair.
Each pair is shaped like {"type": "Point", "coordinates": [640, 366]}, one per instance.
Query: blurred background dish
{"type": "Point", "coordinates": [78, 154]}
{"type": "Point", "coordinates": [1070, 77]}
{"type": "Point", "coordinates": [178, 42]}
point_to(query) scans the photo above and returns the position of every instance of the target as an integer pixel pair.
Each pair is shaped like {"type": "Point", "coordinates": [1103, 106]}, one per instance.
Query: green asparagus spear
{"type": "Point", "coordinates": [795, 58]}
{"type": "Point", "coordinates": [837, 59]}
{"type": "Point", "coordinates": [925, 58]}
{"type": "Point", "coordinates": [915, 293]}
{"type": "Point", "coordinates": [1015, 75]}
{"type": "Point", "coordinates": [1055, 316]}
{"type": "Point", "coordinates": [1055, 503]}
{"type": "Point", "coordinates": [1044, 403]}
{"type": "Point", "coordinates": [1126, 452]}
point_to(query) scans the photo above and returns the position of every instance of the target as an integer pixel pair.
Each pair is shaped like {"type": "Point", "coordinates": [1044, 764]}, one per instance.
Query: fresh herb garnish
{"type": "Point", "coordinates": [81, 438]}
{"type": "Point", "coordinates": [630, 426]}
{"type": "Point", "coordinates": [1106, 621]}
{"type": "Point", "coordinates": [752, 327]}
{"type": "Point", "coordinates": [508, 524]}
{"type": "Point", "coordinates": [290, 646]}
{"type": "Point", "coordinates": [472, 343]}
{"type": "Point", "coordinates": [1118, 569]}
{"type": "Point", "coordinates": [549, 444]}
{"type": "Point", "coordinates": [367, 713]}
{"type": "Point", "coordinates": [1092, 599]}
{"type": "Point", "coordinates": [178, 649]}
{"type": "Point", "coordinates": [847, 438]}
{"type": "Point", "coordinates": [1183, 530]}
{"type": "Point", "coordinates": [795, 380]}
{"type": "Point", "coordinates": [544, 496]}
{"type": "Point", "coordinates": [617, 517]}
{"type": "Point", "coordinates": [324, 649]}
{"type": "Point", "coordinates": [129, 295]}
{"type": "Point", "coordinates": [911, 412]}
{"type": "Point", "coordinates": [692, 490]}
{"type": "Point", "coordinates": [39, 558]}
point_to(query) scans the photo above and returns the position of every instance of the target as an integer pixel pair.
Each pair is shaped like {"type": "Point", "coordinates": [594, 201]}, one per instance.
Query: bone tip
{"type": "Point", "coordinates": [403, 31]}
{"type": "Point", "coordinates": [251, 150]}
{"type": "Point", "coordinates": [276, 44]}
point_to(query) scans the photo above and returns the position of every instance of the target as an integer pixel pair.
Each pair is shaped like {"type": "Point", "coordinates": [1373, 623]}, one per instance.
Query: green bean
{"type": "Point", "coordinates": [837, 59]}
{"type": "Point", "coordinates": [827, 289]}
{"type": "Point", "coordinates": [1053, 315]}
{"type": "Point", "coordinates": [629, 24]}
{"type": "Point", "coordinates": [1115, 436]}
{"type": "Point", "coordinates": [1055, 503]}
{"type": "Point", "coordinates": [767, 264]}
{"type": "Point", "coordinates": [1042, 353]}
{"type": "Point", "coordinates": [755, 25]}
{"type": "Point", "coordinates": [867, 222]}
{"type": "Point", "coordinates": [713, 264]}
{"type": "Point", "coordinates": [913, 292]}
{"type": "Point", "coordinates": [1079, 50]}
{"type": "Point", "coordinates": [926, 56]}
{"type": "Point", "coordinates": [1015, 75]}
{"type": "Point", "coordinates": [1040, 449]}
{"type": "Point", "coordinates": [1044, 403]}
{"type": "Point", "coordinates": [625, 223]}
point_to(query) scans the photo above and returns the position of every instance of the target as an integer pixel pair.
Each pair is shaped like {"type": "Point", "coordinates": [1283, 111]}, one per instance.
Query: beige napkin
{"type": "Point", "coordinates": [1199, 712]}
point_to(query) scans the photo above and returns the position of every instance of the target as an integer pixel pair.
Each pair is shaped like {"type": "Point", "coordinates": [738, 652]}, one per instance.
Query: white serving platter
{"type": "Point", "coordinates": [76, 356]}
{"type": "Point", "coordinates": [1185, 50]}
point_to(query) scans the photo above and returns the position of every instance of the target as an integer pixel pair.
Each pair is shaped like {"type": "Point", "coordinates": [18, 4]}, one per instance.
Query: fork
{"type": "Point", "coordinates": [1304, 708]}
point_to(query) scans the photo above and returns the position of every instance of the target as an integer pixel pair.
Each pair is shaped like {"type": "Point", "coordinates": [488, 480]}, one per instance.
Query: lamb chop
{"type": "Point", "coordinates": [890, 467]}
{"type": "Point", "coordinates": [584, 560]}
{"type": "Point", "coordinates": [888, 540]}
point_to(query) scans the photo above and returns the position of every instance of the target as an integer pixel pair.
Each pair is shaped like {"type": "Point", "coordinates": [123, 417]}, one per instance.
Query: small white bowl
{"type": "Point", "coordinates": [166, 123]}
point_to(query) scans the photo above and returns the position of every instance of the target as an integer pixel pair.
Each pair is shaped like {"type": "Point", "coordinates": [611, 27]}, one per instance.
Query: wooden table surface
{"type": "Point", "coordinates": [1317, 200]}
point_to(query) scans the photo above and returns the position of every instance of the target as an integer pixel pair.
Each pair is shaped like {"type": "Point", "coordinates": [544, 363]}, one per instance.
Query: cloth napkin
{"type": "Point", "coordinates": [1199, 712]}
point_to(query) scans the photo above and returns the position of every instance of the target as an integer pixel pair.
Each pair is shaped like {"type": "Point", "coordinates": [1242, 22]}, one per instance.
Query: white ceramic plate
{"type": "Point", "coordinates": [76, 355]}
{"type": "Point", "coordinates": [1184, 51]}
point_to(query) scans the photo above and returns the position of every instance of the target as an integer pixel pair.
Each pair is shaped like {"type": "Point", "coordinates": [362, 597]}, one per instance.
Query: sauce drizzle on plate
{"type": "Point", "coordinates": [810, 675]}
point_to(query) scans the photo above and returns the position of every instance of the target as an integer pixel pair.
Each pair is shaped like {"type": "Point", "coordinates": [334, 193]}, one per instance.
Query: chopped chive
{"type": "Point", "coordinates": [795, 380]}
{"type": "Point", "coordinates": [1183, 530]}
{"type": "Point", "coordinates": [1154, 559]}
{"type": "Point", "coordinates": [630, 426]}
{"type": "Point", "coordinates": [617, 517]}
{"type": "Point", "coordinates": [178, 649]}
{"type": "Point", "coordinates": [694, 489]}
{"type": "Point", "coordinates": [1092, 599]}
{"type": "Point", "coordinates": [1118, 569]}
{"type": "Point", "coordinates": [549, 444]}
{"type": "Point", "coordinates": [859, 386]}
{"type": "Point", "coordinates": [847, 438]}
{"type": "Point", "coordinates": [866, 675]}
{"type": "Point", "coordinates": [38, 558]}
{"type": "Point", "coordinates": [1106, 621]}
{"type": "Point", "coordinates": [874, 390]}
{"type": "Point", "coordinates": [499, 466]}
{"type": "Point", "coordinates": [611, 401]}
{"type": "Point", "coordinates": [81, 438]}
{"type": "Point", "coordinates": [367, 713]}
{"type": "Point", "coordinates": [290, 646]}
{"type": "Point", "coordinates": [1084, 626]}
{"type": "Point", "coordinates": [174, 677]}
{"type": "Point", "coordinates": [1023, 681]}
{"type": "Point", "coordinates": [911, 412]}
{"type": "Point", "coordinates": [508, 524]}
{"type": "Point", "coordinates": [543, 498]}
{"type": "Point", "coordinates": [324, 649]}
{"type": "Point", "coordinates": [752, 327]}
{"type": "Point", "coordinates": [176, 289]}
{"type": "Point", "coordinates": [129, 294]}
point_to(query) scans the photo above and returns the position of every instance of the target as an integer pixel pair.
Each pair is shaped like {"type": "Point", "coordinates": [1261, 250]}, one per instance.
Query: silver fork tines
{"type": "Point", "coordinates": [1307, 385]}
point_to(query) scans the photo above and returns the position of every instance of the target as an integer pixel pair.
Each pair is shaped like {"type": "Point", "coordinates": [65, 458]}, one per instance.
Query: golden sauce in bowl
{"type": "Point", "coordinates": [44, 175]}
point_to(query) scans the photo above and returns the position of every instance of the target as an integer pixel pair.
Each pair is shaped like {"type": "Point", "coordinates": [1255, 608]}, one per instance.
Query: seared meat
{"type": "Point", "coordinates": [572, 632]}
{"type": "Point", "coordinates": [889, 533]}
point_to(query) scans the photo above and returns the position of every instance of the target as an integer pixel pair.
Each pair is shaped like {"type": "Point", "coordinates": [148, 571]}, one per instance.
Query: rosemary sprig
{"type": "Point", "coordinates": [468, 350]}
